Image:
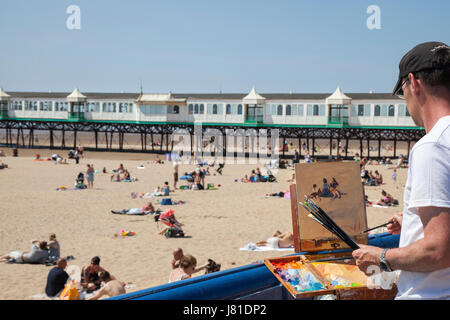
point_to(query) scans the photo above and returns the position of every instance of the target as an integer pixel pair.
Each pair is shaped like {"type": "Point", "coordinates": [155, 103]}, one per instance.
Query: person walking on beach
{"type": "Point", "coordinates": [423, 255]}
{"type": "Point", "coordinates": [90, 176]}
{"type": "Point", "coordinates": [175, 174]}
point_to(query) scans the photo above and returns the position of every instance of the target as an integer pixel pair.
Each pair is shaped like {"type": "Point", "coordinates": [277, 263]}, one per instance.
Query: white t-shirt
{"type": "Point", "coordinates": [428, 184]}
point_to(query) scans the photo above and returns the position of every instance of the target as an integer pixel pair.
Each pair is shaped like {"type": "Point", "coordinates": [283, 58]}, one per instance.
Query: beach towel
{"type": "Point", "coordinates": [253, 247]}
{"type": "Point", "coordinates": [379, 206]}
{"type": "Point", "coordinates": [68, 189]}
{"type": "Point", "coordinates": [211, 187]}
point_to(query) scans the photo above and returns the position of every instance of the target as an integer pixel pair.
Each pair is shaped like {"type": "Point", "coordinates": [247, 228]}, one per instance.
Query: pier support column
{"type": "Point", "coordinates": [379, 148]}
{"type": "Point", "coordinates": [63, 139]}
{"type": "Point", "coordinates": [395, 147]}
{"type": "Point", "coordinates": [75, 139]}
{"type": "Point", "coordinates": [360, 148]}
{"type": "Point", "coordinates": [346, 147]}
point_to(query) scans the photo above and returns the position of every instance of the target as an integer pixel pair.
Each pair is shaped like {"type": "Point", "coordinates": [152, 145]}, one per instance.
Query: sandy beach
{"type": "Point", "coordinates": [216, 222]}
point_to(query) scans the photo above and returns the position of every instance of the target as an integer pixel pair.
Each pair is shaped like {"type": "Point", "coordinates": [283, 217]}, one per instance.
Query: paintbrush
{"type": "Point", "coordinates": [331, 259]}
{"type": "Point", "coordinates": [316, 217]}
{"type": "Point", "coordinates": [321, 217]}
{"type": "Point", "coordinates": [381, 225]}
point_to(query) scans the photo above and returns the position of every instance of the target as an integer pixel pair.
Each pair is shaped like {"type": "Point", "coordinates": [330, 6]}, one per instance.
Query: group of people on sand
{"type": "Point", "coordinates": [41, 252]}
{"type": "Point", "coordinates": [95, 281]}
{"type": "Point", "coordinates": [329, 190]}
{"type": "Point", "coordinates": [58, 159]}
{"type": "Point", "coordinates": [386, 199]}
{"type": "Point", "coordinates": [257, 176]}
{"type": "Point", "coordinates": [48, 253]}
{"type": "Point", "coordinates": [184, 266]}
{"type": "Point", "coordinates": [196, 179]}
{"type": "Point", "coordinates": [121, 175]}
{"type": "Point", "coordinates": [369, 178]}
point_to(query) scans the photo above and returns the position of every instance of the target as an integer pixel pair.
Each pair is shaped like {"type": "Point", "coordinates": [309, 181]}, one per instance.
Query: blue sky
{"type": "Point", "coordinates": [211, 46]}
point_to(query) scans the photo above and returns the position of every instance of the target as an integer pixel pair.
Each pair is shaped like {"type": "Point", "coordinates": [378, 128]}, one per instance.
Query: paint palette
{"type": "Point", "coordinates": [304, 277]}
{"type": "Point", "coordinates": [298, 276]}
{"type": "Point", "coordinates": [341, 275]}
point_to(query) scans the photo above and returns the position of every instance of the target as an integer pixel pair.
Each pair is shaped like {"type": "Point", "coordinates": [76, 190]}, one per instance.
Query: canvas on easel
{"type": "Point", "coordinates": [337, 189]}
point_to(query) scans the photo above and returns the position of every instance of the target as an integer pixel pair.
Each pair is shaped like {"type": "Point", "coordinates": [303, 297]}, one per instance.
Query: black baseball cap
{"type": "Point", "coordinates": [420, 58]}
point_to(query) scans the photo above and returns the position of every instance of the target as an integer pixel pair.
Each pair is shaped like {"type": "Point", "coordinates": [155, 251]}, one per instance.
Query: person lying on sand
{"type": "Point", "coordinates": [37, 255]}
{"type": "Point", "coordinates": [278, 240]}
{"type": "Point", "coordinates": [112, 287]}
{"type": "Point", "coordinates": [147, 209]}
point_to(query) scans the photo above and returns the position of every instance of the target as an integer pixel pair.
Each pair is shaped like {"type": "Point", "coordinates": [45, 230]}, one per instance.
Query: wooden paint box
{"type": "Point", "coordinates": [344, 203]}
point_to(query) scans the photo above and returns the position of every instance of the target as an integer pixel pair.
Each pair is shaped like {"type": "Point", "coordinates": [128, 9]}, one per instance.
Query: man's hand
{"type": "Point", "coordinates": [396, 224]}
{"type": "Point", "coordinates": [367, 256]}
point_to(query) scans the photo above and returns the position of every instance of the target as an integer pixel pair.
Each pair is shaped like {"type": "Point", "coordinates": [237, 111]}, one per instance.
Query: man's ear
{"type": "Point", "coordinates": [415, 84]}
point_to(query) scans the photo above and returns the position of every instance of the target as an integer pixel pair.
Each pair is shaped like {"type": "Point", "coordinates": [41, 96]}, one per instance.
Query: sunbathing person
{"type": "Point", "coordinates": [53, 249]}
{"type": "Point", "coordinates": [165, 189]}
{"type": "Point", "coordinates": [326, 191]}
{"type": "Point", "coordinates": [378, 177]}
{"type": "Point", "coordinates": [278, 240]}
{"type": "Point", "coordinates": [126, 176]}
{"type": "Point", "coordinates": [187, 266]}
{"type": "Point", "coordinates": [386, 199]}
{"type": "Point", "coordinates": [334, 190]}
{"type": "Point", "coordinates": [315, 194]}
{"type": "Point", "coordinates": [276, 194]}
{"type": "Point", "coordinates": [147, 209]}
{"type": "Point", "coordinates": [37, 255]}
{"type": "Point", "coordinates": [3, 165]}
{"type": "Point", "coordinates": [116, 177]}
{"type": "Point", "coordinates": [198, 182]}
{"type": "Point", "coordinates": [292, 179]}
{"type": "Point", "coordinates": [112, 287]}
{"type": "Point", "coordinates": [171, 221]}
{"type": "Point", "coordinates": [177, 255]}
{"type": "Point", "coordinates": [90, 278]}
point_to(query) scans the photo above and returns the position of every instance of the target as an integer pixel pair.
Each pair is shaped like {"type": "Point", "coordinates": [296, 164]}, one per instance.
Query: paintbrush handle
{"type": "Point", "coordinates": [381, 225]}
{"type": "Point", "coordinates": [331, 259]}
{"type": "Point", "coordinates": [328, 221]}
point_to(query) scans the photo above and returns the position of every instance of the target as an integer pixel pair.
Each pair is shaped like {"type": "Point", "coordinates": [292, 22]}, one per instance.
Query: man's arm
{"type": "Point", "coordinates": [100, 293]}
{"type": "Point", "coordinates": [430, 253]}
